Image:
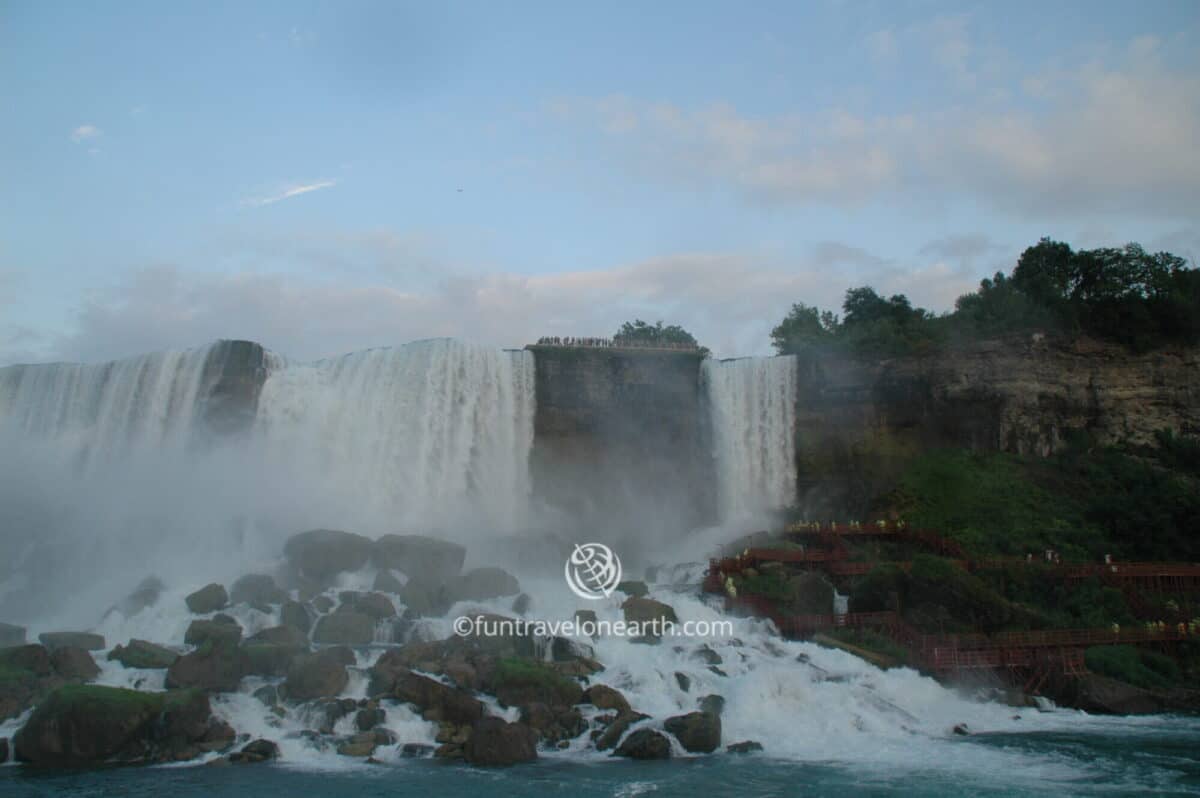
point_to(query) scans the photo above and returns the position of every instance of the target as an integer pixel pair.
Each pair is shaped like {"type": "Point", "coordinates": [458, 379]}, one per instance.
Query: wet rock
{"type": "Point", "coordinates": [85, 640]}
{"type": "Point", "coordinates": [428, 600]}
{"type": "Point", "coordinates": [368, 719]}
{"type": "Point", "coordinates": [216, 632]}
{"type": "Point", "coordinates": [360, 745]}
{"type": "Point", "coordinates": [602, 696]}
{"type": "Point", "coordinates": [713, 703]}
{"type": "Point", "coordinates": [416, 750]}
{"type": "Point", "coordinates": [707, 656]}
{"type": "Point", "coordinates": [209, 598]}
{"type": "Point", "coordinates": [961, 729]}
{"type": "Point", "coordinates": [279, 635]}
{"type": "Point", "coordinates": [326, 713]}
{"type": "Point", "coordinates": [349, 628]}
{"type": "Point", "coordinates": [387, 582]}
{"type": "Point", "coordinates": [254, 752]}
{"type": "Point", "coordinates": [495, 743]}
{"type": "Point", "coordinates": [322, 554]}
{"type": "Point", "coordinates": [373, 605]}
{"type": "Point", "coordinates": [435, 700]}
{"type": "Point", "coordinates": [645, 744]}
{"type": "Point", "coordinates": [520, 682]}
{"type": "Point", "coordinates": [145, 595]}
{"type": "Point", "coordinates": [257, 589]}
{"type": "Point", "coordinates": [619, 725]}
{"type": "Point", "coordinates": [268, 695]}
{"type": "Point", "coordinates": [633, 587]}
{"type": "Point", "coordinates": [141, 654]}
{"type": "Point", "coordinates": [271, 659]}
{"type": "Point", "coordinates": [293, 614]}
{"type": "Point", "coordinates": [652, 616]}
{"type": "Point", "coordinates": [11, 635]}
{"type": "Point", "coordinates": [27, 674]}
{"type": "Point", "coordinates": [744, 747]}
{"type": "Point", "coordinates": [697, 732]}
{"type": "Point", "coordinates": [521, 604]}
{"type": "Point", "coordinates": [683, 680]}
{"type": "Point", "coordinates": [583, 617]}
{"type": "Point", "coordinates": [320, 675]}
{"type": "Point", "coordinates": [428, 559]}
{"type": "Point", "coordinates": [810, 593]}
{"type": "Point", "coordinates": [213, 667]}
{"type": "Point", "coordinates": [74, 664]}
{"type": "Point", "coordinates": [322, 604]}
{"type": "Point", "coordinates": [84, 725]}
{"type": "Point", "coordinates": [3, 750]}
{"type": "Point", "coordinates": [1103, 695]}
{"type": "Point", "coordinates": [553, 724]}
{"type": "Point", "coordinates": [482, 584]}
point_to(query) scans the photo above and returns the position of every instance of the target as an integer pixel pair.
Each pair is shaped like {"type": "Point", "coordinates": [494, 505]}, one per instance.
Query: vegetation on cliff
{"type": "Point", "coordinates": [1127, 295]}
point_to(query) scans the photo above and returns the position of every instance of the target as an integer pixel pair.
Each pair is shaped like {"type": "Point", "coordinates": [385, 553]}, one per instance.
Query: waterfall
{"type": "Point", "coordinates": [431, 433]}
{"type": "Point", "coordinates": [96, 414]}
{"type": "Point", "coordinates": [753, 402]}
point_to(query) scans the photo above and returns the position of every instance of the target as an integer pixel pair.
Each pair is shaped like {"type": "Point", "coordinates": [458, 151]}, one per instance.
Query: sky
{"type": "Point", "coordinates": [323, 177]}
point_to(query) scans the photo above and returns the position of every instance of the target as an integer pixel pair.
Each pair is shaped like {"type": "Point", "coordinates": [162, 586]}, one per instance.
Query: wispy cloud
{"type": "Point", "coordinates": [85, 132]}
{"type": "Point", "coordinates": [287, 192]}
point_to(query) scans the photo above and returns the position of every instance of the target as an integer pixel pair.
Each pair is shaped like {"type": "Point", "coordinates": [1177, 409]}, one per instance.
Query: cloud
{"type": "Point", "coordinates": [882, 44]}
{"type": "Point", "coordinates": [287, 192]}
{"type": "Point", "coordinates": [328, 309]}
{"type": "Point", "coordinates": [1100, 138]}
{"type": "Point", "coordinates": [85, 132]}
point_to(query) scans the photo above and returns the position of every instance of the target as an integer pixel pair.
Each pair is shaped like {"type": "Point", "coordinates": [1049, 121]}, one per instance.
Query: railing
{"type": "Point", "coordinates": [586, 342]}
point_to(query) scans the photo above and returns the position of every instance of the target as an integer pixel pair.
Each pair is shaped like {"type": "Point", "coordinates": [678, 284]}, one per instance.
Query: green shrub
{"type": "Point", "coordinates": [1140, 668]}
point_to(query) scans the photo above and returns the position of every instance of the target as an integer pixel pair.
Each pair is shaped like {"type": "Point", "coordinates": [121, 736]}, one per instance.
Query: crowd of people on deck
{"type": "Point", "coordinates": [617, 342]}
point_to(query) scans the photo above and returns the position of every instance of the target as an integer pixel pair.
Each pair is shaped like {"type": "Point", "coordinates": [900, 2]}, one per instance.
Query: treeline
{"type": "Point", "coordinates": [1127, 295]}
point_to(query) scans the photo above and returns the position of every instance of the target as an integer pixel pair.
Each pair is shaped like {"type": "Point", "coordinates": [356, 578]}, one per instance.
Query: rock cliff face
{"type": "Point", "coordinates": [622, 436]}
{"type": "Point", "coordinates": [857, 420]}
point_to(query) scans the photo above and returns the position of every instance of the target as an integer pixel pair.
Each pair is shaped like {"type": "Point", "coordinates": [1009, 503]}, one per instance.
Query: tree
{"type": "Point", "coordinates": [639, 332]}
{"type": "Point", "coordinates": [804, 326]}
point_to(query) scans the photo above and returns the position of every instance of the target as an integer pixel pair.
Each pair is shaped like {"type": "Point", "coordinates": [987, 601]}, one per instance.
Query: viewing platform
{"type": "Point", "coordinates": [622, 345]}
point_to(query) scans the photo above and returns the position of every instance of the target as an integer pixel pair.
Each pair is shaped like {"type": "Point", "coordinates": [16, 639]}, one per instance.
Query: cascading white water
{"type": "Point", "coordinates": [753, 403]}
{"type": "Point", "coordinates": [428, 434]}
{"type": "Point", "coordinates": [96, 414]}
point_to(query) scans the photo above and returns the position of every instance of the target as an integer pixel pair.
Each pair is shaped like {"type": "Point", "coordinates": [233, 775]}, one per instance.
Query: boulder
{"type": "Point", "coordinates": [1106, 696]}
{"type": "Point", "coordinates": [271, 659]}
{"type": "Point", "coordinates": [87, 725]}
{"type": "Point", "coordinates": [683, 680]}
{"type": "Point", "coordinates": [85, 640]}
{"type": "Point", "coordinates": [712, 703]}
{"type": "Point", "coordinates": [494, 742]}
{"type": "Point", "coordinates": [374, 605]}
{"type": "Point", "coordinates": [697, 732]}
{"type": "Point", "coordinates": [423, 558]}
{"type": "Point", "coordinates": [602, 696]}
{"type": "Point", "coordinates": [280, 636]}
{"type": "Point", "coordinates": [482, 584]}
{"type": "Point", "coordinates": [213, 667]}
{"type": "Point", "coordinates": [319, 675]}
{"type": "Point", "coordinates": [209, 598]}
{"type": "Point", "coordinates": [744, 747]}
{"type": "Point", "coordinates": [553, 724]}
{"type": "Point", "coordinates": [387, 582]}
{"type": "Point", "coordinates": [521, 604]}
{"type": "Point", "coordinates": [322, 554]}
{"type": "Point", "coordinates": [256, 751]}
{"type": "Point", "coordinates": [257, 589]}
{"type": "Point", "coordinates": [518, 682]}
{"type": "Point", "coordinates": [435, 700]}
{"type": "Point", "coordinates": [26, 673]}
{"type": "Point", "coordinates": [268, 695]}
{"type": "Point", "coordinates": [348, 628]}
{"type": "Point", "coordinates": [360, 745]}
{"type": "Point", "coordinates": [644, 744]}
{"type": "Point", "coordinates": [216, 632]}
{"type": "Point", "coordinates": [633, 587]}
{"type": "Point", "coordinates": [141, 654]}
{"type": "Point", "coordinates": [652, 616]}
{"type": "Point", "coordinates": [74, 664]}
{"type": "Point", "coordinates": [425, 599]}
{"type": "Point", "coordinates": [616, 728]}
{"type": "Point", "coordinates": [322, 604]}
{"type": "Point", "coordinates": [145, 595]}
{"type": "Point", "coordinates": [11, 635]}
{"type": "Point", "coordinates": [3, 750]}
{"type": "Point", "coordinates": [369, 718]}
{"type": "Point", "coordinates": [706, 655]}
{"type": "Point", "coordinates": [416, 750]}
{"type": "Point", "coordinates": [294, 614]}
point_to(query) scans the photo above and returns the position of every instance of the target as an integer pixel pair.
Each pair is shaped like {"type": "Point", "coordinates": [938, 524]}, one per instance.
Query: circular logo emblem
{"type": "Point", "coordinates": [593, 571]}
